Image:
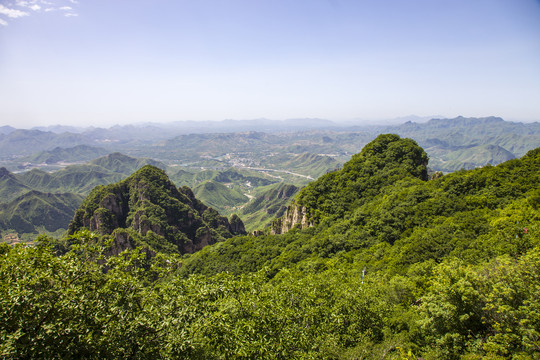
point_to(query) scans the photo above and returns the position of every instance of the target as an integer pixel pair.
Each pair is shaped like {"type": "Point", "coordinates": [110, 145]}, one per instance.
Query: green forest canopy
{"type": "Point", "coordinates": [443, 269]}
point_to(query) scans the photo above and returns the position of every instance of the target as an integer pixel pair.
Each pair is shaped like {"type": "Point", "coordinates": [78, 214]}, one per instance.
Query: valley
{"type": "Point", "coordinates": [228, 171]}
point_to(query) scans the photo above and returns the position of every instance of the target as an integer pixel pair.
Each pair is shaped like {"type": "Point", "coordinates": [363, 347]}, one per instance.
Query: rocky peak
{"type": "Point", "coordinates": [147, 201]}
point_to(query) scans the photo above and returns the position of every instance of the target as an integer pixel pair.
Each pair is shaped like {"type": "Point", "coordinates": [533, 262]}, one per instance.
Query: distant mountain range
{"type": "Point", "coordinates": [253, 173]}
{"type": "Point", "coordinates": [447, 141]}
{"type": "Point", "coordinates": [79, 153]}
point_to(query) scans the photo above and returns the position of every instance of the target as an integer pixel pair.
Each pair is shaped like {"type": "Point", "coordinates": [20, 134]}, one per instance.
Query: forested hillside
{"type": "Point", "coordinates": [387, 265]}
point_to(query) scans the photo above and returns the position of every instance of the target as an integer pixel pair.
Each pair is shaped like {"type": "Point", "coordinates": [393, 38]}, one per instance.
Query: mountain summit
{"type": "Point", "coordinates": [382, 162]}
{"type": "Point", "coordinates": [146, 208]}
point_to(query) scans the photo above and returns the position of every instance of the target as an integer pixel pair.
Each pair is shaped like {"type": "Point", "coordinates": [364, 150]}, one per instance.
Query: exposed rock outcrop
{"type": "Point", "coordinates": [295, 216]}
{"type": "Point", "coordinates": [147, 202]}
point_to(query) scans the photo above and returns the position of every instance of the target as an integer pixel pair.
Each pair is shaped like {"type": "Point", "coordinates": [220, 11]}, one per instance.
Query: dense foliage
{"type": "Point", "coordinates": [441, 269]}
{"type": "Point", "coordinates": [382, 162]}
{"type": "Point", "coordinates": [85, 305]}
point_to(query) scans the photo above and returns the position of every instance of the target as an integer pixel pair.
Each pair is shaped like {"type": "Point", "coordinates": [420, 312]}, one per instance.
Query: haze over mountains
{"type": "Point", "coordinates": [179, 142]}
{"type": "Point", "coordinates": [252, 168]}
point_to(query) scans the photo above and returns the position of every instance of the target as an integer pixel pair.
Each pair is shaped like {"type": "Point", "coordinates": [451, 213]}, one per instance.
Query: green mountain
{"type": "Point", "coordinates": [389, 265]}
{"type": "Point", "coordinates": [79, 153]}
{"type": "Point", "coordinates": [147, 208]}
{"type": "Point", "coordinates": [34, 210]}
{"type": "Point", "coordinates": [81, 179]}
{"type": "Point", "coordinates": [382, 162]}
{"type": "Point", "coordinates": [10, 186]}
{"type": "Point", "coordinates": [219, 196]}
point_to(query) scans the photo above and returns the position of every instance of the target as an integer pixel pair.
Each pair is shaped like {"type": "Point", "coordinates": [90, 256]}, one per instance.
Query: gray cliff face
{"type": "Point", "coordinates": [121, 242]}
{"type": "Point", "coordinates": [295, 216]}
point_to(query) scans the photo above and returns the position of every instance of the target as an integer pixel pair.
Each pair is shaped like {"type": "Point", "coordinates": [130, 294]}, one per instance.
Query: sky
{"type": "Point", "coordinates": [107, 62]}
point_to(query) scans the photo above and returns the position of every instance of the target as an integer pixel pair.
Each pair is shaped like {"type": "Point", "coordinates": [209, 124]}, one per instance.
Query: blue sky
{"type": "Point", "coordinates": [106, 62]}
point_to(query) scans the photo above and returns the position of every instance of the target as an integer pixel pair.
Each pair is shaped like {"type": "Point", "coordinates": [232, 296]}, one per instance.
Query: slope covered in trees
{"type": "Point", "coordinates": [402, 268]}
{"type": "Point", "coordinates": [383, 161]}
{"type": "Point", "coordinates": [474, 215]}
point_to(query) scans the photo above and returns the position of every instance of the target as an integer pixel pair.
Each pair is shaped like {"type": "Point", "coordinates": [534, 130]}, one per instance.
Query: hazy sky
{"type": "Point", "coordinates": [106, 62]}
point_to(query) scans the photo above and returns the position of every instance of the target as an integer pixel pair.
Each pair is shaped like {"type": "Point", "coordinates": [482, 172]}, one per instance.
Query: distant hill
{"type": "Point", "coordinates": [468, 158]}
{"type": "Point", "coordinates": [219, 196]}
{"type": "Point", "coordinates": [308, 164]}
{"type": "Point", "coordinates": [39, 179]}
{"type": "Point", "coordinates": [5, 130]}
{"type": "Point", "coordinates": [10, 186]}
{"type": "Point", "coordinates": [183, 177]}
{"type": "Point", "coordinates": [79, 153]}
{"type": "Point", "coordinates": [244, 179]}
{"type": "Point", "coordinates": [33, 210]}
{"type": "Point", "coordinates": [121, 163]}
{"type": "Point", "coordinates": [82, 178]}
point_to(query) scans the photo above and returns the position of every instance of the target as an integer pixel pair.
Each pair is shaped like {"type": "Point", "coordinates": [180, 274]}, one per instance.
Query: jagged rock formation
{"type": "Point", "coordinates": [295, 216]}
{"type": "Point", "coordinates": [146, 207]}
